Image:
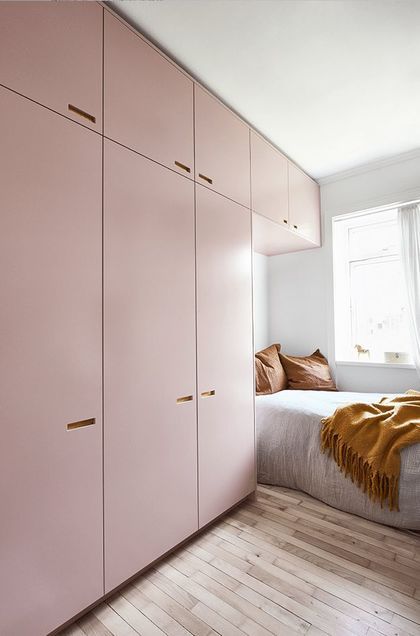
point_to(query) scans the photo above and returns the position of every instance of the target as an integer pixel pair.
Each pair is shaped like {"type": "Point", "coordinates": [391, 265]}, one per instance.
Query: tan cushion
{"type": "Point", "coordinates": [309, 373]}
{"type": "Point", "coordinates": [269, 373]}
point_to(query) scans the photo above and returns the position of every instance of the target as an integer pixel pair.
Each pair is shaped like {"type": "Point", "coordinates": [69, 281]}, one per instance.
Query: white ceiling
{"type": "Point", "coordinates": [333, 83]}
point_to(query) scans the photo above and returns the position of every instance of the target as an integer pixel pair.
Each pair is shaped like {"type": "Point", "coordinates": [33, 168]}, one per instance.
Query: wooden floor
{"type": "Point", "coordinates": [283, 564]}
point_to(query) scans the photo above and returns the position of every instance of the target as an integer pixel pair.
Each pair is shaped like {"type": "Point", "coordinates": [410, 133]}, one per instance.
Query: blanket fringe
{"type": "Point", "coordinates": [378, 486]}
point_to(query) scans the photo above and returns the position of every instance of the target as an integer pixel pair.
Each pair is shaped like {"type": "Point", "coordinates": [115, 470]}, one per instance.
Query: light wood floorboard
{"type": "Point", "coordinates": [281, 564]}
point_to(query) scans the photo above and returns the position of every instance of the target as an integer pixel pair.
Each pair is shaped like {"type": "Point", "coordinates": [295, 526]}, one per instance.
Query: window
{"type": "Point", "coordinates": [369, 297]}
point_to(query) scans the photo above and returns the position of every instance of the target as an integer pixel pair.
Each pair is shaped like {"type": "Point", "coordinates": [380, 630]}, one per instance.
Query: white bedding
{"type": "Point", "coordinates": [288, 451]}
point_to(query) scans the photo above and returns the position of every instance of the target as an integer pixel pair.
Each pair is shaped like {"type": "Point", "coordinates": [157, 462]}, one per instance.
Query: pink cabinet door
{"type": "Point", "coordinates": [304, 205]}
{"type": "Point", "coordinates": [225, 357]}
{"type": "Point", "coordinates": [50, 368]}
{"type": "Point", "coordinates": [269, 181]}
{"type": "Point", "coordinates": [148, 101]}
{"type": "Point", "coordinates": [150, 371]}
{"type": "Point", "coordinates": [221, 148]}
{"type": "Point", "coordinates": [51, 52]}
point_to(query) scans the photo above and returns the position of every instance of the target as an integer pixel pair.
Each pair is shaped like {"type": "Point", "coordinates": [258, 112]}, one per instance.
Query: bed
{"type": "Point", "coordinates": [288, 451]}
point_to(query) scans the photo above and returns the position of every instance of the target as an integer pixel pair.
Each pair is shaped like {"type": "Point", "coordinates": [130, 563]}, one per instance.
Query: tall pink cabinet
{"type": "Point", "coordinates": [50, 368]}
{"type": "Point", "coordinates": [150, 362]}
{"type": "Point", "coordinates": [127, 200]}
{"type": "Point", "coordinates": [224, 354]}
{"type": "Point", "coordinates": [176, 256]}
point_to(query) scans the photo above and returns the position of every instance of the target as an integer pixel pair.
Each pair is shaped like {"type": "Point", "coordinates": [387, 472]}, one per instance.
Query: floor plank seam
{"type": "Point", "coordinates": [280, 565]}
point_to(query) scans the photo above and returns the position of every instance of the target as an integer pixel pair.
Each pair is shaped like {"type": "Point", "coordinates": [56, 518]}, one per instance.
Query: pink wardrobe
{"type": "Point", "coordinates": [126, 354]}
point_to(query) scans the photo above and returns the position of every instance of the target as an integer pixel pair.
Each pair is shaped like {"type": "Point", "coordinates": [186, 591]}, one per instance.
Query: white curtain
{"type": "Point", "coordinates": [409, 231]}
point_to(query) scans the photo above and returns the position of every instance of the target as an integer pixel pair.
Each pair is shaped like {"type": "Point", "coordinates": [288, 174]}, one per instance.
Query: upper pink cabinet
{"type": "Point", "coordinates": [148, 102]}
{"type": "Point", "coordinates": [51, 52]}
{"type": "Point", "coordinates": [269, 179]}
{"type": "Point", "coordinates": [221, 148]}
{"type": "Point", "coordinates": [304, 207]}
{"type": "Point", "coordinates": [285, 202]}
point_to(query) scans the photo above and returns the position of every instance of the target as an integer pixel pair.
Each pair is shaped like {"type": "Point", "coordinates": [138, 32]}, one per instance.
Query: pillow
{"type": "Point", "coordinates": [269, 373]}
{"type": "Point", "coordinates": [308, 373]}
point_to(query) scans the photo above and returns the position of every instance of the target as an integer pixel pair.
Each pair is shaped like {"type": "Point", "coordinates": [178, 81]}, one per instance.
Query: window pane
{"type": "Point", "coordinates": [373, 240]}
{"type": "Point", "coordinates": [378, 313]}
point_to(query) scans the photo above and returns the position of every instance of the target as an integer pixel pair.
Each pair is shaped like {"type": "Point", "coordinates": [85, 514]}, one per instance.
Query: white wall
{"type": "Point", "coordinates": [300, 285]}
{"type": "Point", "coordinates": [261, 336]}
{"type": "Point", "coordinates": [297, 300]}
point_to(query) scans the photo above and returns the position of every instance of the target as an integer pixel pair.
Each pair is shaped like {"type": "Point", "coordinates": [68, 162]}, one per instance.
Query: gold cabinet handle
{"type": "Point", "coordinates": [203, 176]}
{"type": "Point", "coordinates": [207, 394]}
{"type": "Point", "coordinates": [81, 424]}
{"type": "Point", "coordinates": [182, 166]}
{"type": "Point", "coordinates": [184, 398]}
{"type": "Point", "coordinates": [82, 113]}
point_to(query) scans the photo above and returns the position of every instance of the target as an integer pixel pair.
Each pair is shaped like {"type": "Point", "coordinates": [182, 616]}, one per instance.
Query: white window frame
{"type": "Point", "coordinates": [341, 283]}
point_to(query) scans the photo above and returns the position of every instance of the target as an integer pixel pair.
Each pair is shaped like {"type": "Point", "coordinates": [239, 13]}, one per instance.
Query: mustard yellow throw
{"type": "Point", "coordinates": [365, 441]}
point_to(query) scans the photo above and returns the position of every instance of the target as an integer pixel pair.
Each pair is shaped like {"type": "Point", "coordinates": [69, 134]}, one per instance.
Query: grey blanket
{"type": "Point", "coordinates": [288, 452]}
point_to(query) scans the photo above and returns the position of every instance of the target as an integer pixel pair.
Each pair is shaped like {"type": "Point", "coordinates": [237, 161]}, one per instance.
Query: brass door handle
{"type": "Point", "coordinates": [81, 424]}
{"type": "Point", "coordinates": [203, 176]}
{"type": "Point", "coordinates": [207, 394]}
{"type": "Point", "coordinates": [184, 398]}
{"type": "Point", "coordinates": [182, 166]}
{"type": "Point", "coordinates": [82, 113]}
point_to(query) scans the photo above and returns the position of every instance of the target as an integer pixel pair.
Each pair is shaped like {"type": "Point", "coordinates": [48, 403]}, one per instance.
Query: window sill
{"type": "Point", "coordinates": [388, 365]}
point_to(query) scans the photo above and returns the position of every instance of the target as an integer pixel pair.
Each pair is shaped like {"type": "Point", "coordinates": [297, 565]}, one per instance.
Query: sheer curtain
{"type": "Point", "coordinates": [409, 231]}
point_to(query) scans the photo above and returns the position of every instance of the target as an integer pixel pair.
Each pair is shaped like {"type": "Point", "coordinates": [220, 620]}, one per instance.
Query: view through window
{"type": "Point", "coordinates": [369, 297]}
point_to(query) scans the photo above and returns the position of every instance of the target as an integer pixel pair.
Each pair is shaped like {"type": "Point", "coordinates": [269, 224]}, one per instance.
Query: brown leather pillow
{"type": "Point", "coordinates": [308, 373]}
{"type": "Point", "coordinates": [269, 373]}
